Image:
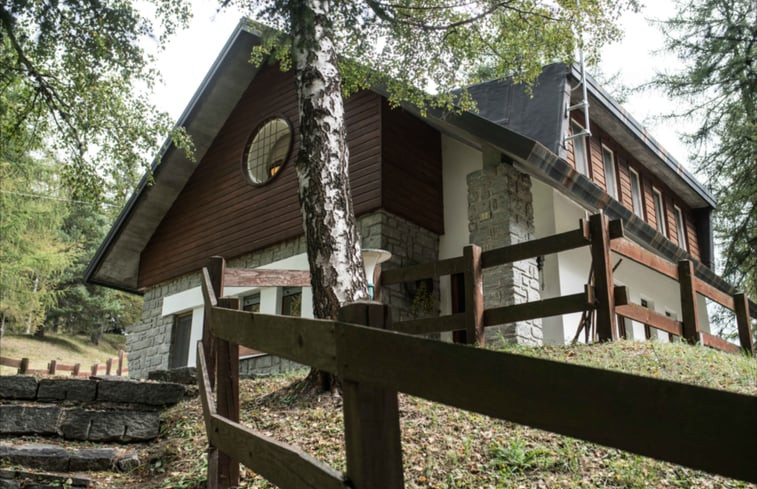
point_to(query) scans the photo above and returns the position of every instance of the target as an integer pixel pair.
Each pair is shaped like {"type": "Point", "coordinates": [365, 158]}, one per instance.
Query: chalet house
{"type": "Point", "coordinates": [423, 188]}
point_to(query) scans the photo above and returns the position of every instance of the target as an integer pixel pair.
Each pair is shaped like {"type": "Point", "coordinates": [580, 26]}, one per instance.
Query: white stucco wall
{"type": "Point", "coordinates": [458, 160]}
{"type": "Point", "coordinates": [567, 272]}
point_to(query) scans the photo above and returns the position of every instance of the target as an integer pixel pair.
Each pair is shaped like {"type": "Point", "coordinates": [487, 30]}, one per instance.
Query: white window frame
{"type": "Point", "coordinates": [612, 190]}
{"type": "Point", "coordinates": [583, 167]}
{"type": "Point", "coordinates": [659, 211]}
{"type": "Point", "coordinates": [637, 200]}
{"type": "Point", "coordinates": [680, 228]}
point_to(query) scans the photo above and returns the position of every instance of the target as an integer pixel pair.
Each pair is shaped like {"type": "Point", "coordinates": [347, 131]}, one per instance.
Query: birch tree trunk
{"type": "Point", "coordinates": [333, 246]}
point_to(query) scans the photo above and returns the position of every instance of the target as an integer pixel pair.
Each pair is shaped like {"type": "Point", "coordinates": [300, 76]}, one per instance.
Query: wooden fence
{"type": "Point", "coordinates": [607, 301]}
{"type": "Point", "coordinates": [692, 426]}
{"type": "Point", "coordinates": [112, 366]}
{"type": "Point", "coordinates": [680, 423]}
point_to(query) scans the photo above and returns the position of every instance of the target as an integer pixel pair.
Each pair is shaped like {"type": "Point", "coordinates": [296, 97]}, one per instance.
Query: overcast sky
{"type": "Point", "coordinates": [190, 54]}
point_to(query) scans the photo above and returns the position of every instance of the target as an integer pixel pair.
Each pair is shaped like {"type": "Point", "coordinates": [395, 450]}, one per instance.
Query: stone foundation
{"type": "Point", "coordinates": [149, 342]}
{"type": "Point", "coordinates": [500, 213]}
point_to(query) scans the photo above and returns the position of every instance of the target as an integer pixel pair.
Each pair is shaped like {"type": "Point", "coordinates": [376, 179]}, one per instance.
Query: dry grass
{"type": "Point", "coordinates": [66, 349]}
{"type": "Point", "coordinates": [446, 448]}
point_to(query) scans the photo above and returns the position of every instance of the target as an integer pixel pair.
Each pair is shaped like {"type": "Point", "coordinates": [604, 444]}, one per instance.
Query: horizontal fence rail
{"type": "Point", "coordinates": [661, 419]}
{"type": "Point", "coordinates": [112, 366]}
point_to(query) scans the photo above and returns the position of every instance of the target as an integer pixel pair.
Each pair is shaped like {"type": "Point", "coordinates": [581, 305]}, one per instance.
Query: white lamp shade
{"type": "Point", "coordinates": [371, 258]}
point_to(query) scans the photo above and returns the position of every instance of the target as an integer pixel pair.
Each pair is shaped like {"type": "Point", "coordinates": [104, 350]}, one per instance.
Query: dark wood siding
{"type": "Point", "coordinates": [411, 171]}
{"type": "Point", "coordinates": [623, 163]}
{"type": "Point", "coordinates": [219, 213]}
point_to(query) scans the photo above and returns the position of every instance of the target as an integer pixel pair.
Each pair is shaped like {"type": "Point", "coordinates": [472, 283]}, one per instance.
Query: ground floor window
{"type": "Point", "coordinates": [291, 301]}
{"type": "Point", "coordinates": [182, 331]}
{"type": "Point", "coordinates": [251, 303]}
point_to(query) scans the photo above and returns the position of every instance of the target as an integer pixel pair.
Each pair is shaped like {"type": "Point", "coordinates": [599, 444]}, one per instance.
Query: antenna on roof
{"type": "Point", "coordinates": [584, 102]}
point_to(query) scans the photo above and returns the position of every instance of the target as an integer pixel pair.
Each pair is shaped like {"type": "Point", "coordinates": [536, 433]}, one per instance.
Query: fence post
{"type": "Point", "coordinates": [222, 359]}
{"type": "Point", "coordinates": [108, 366]}
{"type": "Point", "coordinates": [744, 322]}
{"type": "Point", "coordinates": [227, 397]}
{"type": "Point", "coordinates": [216, 266]}
{"type": "Point", "coordinates": [689, 312]}
{"type": "Point", "coordinates": [120, 369]}
{"type": "Point", "coordinates": [371, 416]}
{"type": "Point", "coordinates": [24, 367]}
{"type": "Point", "coordinates": [603, 282]}
{"type": "Point", "coordinates": [474, 295]}
{"type": "Point", "coordinates": [51, 367]}
{"type": "Point", "coordinates": [75, 372]}
{"type": "Point", "coordinates": [94, 370]}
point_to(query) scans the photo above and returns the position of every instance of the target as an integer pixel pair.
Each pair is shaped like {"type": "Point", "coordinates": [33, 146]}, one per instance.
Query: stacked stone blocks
{"type": "Point", "coordinates": [97, 409]}
{"type": "Point", "coordinates": [500, 213]}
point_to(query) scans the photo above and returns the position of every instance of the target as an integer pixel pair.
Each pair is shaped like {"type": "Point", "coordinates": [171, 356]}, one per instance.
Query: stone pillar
{"type": "Point", "coordinates": [500, 213]}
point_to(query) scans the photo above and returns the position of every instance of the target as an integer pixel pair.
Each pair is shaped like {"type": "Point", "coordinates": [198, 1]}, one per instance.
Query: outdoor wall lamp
{"type": "Point", "coordinates": [371, 258]}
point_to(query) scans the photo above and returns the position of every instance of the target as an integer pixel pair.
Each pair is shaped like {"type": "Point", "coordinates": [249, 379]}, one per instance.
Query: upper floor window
{"type": "Point", "coordinates": [680, 228]}
{"type": "Point", "coordinates": [580, 154]}
{"type": "Point", "coordinates": [659, 211]}
{"type": "Point", "coordinates": [268, 150]}
{"type": "Point", "coordinates": [638, 209]}
{"type": "Point", "coordinates": [611, 178]}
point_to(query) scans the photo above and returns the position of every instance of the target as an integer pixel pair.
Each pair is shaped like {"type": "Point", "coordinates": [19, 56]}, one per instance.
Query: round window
{"type": "Point", "coordinates": [268, 150]}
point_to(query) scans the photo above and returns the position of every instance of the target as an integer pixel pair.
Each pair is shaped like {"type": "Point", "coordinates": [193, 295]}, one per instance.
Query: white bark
{"type": "Point", "coordinates": [322, 165]}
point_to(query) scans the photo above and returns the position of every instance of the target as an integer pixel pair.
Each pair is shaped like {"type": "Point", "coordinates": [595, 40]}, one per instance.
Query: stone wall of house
{"type": "Point", "coordinates": [500, 213]}
{"type": "Point", "coordinates": [409, 244]}
{"type": "Point", "coordinates": [149, 341]}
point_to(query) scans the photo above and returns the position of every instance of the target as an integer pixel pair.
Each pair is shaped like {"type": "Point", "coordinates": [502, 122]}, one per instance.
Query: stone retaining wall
{"type": "Point", "coordinates": [96, 409]}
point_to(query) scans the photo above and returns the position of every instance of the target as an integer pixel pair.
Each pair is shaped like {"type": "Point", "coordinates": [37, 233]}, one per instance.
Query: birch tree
{"type": "Point", "coordinates": [408, 48]}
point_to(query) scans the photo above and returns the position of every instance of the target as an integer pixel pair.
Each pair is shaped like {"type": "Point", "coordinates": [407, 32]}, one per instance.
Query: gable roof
{"type": "Point", "coordinates": [116, 263]}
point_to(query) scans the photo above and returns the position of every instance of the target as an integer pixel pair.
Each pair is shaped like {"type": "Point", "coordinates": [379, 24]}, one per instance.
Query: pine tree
{"type": "Point", "coordinates": [716, 41]}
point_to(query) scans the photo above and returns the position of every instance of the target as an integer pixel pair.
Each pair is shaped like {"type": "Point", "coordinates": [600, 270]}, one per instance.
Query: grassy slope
{"type": "Point", "coordinates": [449, 448]}
{"type": "Point", "coordinates": [443, 448]}
{"type": "Point", "coordinates": [66, 349]}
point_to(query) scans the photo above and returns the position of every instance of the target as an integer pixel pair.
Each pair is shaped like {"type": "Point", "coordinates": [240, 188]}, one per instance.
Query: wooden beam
{"type": "Point", "coordinates": [689, 309]}
{"type": "Point", "coordinates": [542, 246]}
{"type": "Point", "coordinates": [744, 322]}
{"type": "Point", "coordinates": [308, 341]}
{"type": "Point", "coordinates": [452, 322]}
{"type": "Point", "coordinates": [203, 381]}
{"type": "Point", "coordinates": [9, 362]}
{"type": "Point", "coordinates": [539, 309]}
{"type": "Point", "coordinates": [371, 416]}
{"type": "Point", "coordinates": [615, 229]}
{"type": "Point", "coordinates": [283, 465]}
{"type": "Point", "coordinates": [661, 419]}
{"type": "Point", "coordinates": [714, 293]}
{"type": "Point", "coordinates": [210, 301]}
{"type": "Point", "coordinates": [719, 343]}
{"type": "Point", "coordinates": [474, 295]}
{"type": "Point", "coordinates": [249, 277]}
{"type": "Point", "coordinates": [603, 282]}
{"type": "Point", "coordinates": [227, 397]}
{"type": "Point", "coordinates": [422, 271]}
{"type": "Point", "coordinates": [628, 249]}
{"type": "Point", "coordinates": [648, 317]}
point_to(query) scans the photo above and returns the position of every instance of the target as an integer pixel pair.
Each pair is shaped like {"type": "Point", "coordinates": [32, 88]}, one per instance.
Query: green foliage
{"type": "Point", "coordinates": [74, 75]}
{"type": "Point", "coordinates": [716, 42]}
{"type": "Point", "coordinates": [411, 46]}
{"type": "Point", "coordinates": [87, 308]}
{"type": "Point", "coordinates": [32, 251]}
